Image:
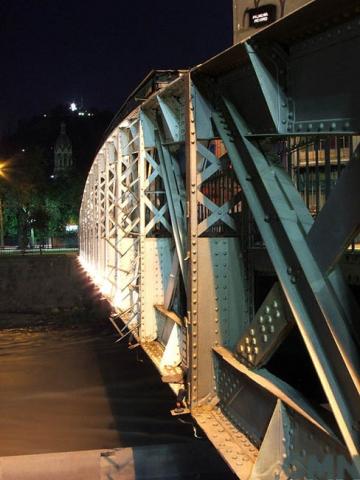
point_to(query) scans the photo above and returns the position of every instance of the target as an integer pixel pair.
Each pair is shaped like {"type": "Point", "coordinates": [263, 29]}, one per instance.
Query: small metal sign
{"type": "Point", "coordinates": [261, 16]}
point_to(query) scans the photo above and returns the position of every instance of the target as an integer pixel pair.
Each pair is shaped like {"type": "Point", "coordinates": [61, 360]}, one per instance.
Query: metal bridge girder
{"type": "Point", "coordinates": [167, 230]}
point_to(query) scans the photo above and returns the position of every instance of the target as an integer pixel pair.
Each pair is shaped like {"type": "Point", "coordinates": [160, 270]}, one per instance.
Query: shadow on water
{"type": "Point", "coordinates": [141, 405]}
{"type": "Point", "coordinates": [139, 401]}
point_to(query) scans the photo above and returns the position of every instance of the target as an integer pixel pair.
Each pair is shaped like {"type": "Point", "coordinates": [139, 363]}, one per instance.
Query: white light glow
{"type": "Point", "coordinates": [73, 106]}
{"type": "Point", "coordinates": [72, 228]}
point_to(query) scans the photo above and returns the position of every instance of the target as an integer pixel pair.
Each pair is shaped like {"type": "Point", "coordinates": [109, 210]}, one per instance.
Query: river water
{"type": "Point", "coordinates": [68, 386]}
{"type": "Point", "coordinates": [73, 388]}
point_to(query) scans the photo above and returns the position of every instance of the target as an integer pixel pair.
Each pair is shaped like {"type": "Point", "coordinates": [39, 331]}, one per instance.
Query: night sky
{"type": "Point", "coordinates": [56, 51]}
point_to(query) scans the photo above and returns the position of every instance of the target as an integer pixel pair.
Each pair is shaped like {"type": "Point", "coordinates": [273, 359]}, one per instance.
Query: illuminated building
{"type": "Point", "coordinates": [62, 152]}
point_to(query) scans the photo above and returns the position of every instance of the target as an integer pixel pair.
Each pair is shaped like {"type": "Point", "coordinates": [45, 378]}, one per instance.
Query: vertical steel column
{"type": "Point", "coordinates": [94, 216]}
{"type": "Point", "coordinates": [107, 245]}
{"type": "Point", "coordinates": [142, 207]}
{"type": "Point", "coordinates": [100, 255]}
{"type": "Point", "coordinates": [117, 210]}
{"type": "Point", "coordinates": [192, 293]}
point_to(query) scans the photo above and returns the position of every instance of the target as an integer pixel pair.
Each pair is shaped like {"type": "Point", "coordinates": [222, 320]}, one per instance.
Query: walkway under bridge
{"type": "Point", "coordinates": [220, 218]}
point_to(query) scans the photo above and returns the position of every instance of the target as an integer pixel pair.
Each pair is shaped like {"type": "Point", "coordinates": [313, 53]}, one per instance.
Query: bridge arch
{"type": "Point", "coordinates": [197, 225]}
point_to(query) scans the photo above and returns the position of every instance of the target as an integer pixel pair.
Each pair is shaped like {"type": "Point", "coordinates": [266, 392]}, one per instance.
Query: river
{"type": "Point", "coordinates": [68, 386]}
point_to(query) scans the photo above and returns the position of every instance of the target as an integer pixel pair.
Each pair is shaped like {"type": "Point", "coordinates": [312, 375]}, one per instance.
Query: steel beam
{"type": "Point", "coordinates": [283, 234]}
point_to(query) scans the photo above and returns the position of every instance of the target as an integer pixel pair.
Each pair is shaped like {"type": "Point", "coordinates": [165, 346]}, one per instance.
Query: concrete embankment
{"type": "Point", "coordinates": [43, 286]}
{"type": "Point", "coordinates": [155, 462]}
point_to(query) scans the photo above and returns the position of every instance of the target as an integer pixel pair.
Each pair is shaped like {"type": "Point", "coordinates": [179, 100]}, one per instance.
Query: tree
{"type": "Point", "coordinates": [32, 200]}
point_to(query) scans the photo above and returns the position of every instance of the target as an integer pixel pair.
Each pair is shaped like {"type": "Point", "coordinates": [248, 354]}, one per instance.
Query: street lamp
{"type": "Point", "coordinates": [3, 168]}
{"type": "Point", "coordinates": [1, 211]}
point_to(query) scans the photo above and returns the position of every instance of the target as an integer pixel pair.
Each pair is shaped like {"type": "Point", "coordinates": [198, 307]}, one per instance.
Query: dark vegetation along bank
{"type": "Point", "coordinates": [37, 201]}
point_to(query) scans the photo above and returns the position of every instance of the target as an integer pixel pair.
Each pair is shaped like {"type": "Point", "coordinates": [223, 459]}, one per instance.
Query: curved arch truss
{"type": "Point", "coordinates": [215, 218]}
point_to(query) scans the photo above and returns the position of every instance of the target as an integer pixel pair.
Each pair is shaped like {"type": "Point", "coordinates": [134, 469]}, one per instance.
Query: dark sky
{"type": "Point", "coordinates": [56, 51]}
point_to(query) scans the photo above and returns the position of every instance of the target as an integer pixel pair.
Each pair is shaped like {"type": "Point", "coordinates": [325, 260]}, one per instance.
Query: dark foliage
{"type": "Point", "coordinates": [34, 203]}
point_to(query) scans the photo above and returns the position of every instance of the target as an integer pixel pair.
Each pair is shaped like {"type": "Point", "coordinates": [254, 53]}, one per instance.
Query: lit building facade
{"type": "Point", "coordinates": [63, 160]}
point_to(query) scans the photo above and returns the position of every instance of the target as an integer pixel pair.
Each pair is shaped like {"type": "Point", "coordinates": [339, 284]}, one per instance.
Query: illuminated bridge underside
{"type": "Point", "coordinates": [215, 218]}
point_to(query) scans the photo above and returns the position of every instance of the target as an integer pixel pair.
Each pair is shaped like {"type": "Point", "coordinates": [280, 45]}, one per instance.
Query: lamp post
{"type": "Point", "coordinates": [1, 211]}
{"type": "Point", "coordinates": [1, 224]}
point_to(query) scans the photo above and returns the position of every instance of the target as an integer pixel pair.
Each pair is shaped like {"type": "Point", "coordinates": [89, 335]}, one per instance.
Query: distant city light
{"type": "Point", "coordinates": [73, 107]}
{"type": "Point", "coordinates": [72, 228]}
{"type": "Point", "coordinates": [44, 115]}
{"type": "Point", "coordinates": [23, 150]}
{"type": "Point", "coordinates": [82, 114]}
{"type": "Point", "coordinates": [52, 176]}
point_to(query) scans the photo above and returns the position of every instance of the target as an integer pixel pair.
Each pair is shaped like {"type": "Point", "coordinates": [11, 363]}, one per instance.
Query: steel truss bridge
{"type": "Point", "coordinates": [219, 218]}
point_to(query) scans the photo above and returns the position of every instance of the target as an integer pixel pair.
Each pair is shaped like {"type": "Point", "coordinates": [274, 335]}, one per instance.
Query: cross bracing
{"type": "Point", "coordinates": [217, 217]}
